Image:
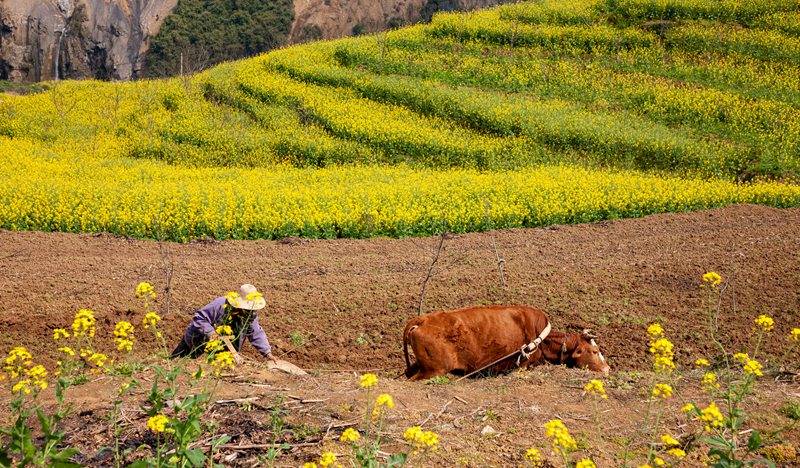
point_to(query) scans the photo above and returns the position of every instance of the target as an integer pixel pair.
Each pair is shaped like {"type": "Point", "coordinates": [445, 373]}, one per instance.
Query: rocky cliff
{"type": "Point", "coordinates": [108, 39]}
{"type": "Point", "coordinates": [52, 39]}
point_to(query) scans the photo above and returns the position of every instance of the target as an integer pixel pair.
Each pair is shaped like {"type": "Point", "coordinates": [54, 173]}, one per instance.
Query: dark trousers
{"type": "Point", "coordinates": [184, 349]}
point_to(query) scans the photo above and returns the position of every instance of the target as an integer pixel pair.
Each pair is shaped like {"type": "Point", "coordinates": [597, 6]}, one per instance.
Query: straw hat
{"type": "Point", "coordinates": [248, 298]}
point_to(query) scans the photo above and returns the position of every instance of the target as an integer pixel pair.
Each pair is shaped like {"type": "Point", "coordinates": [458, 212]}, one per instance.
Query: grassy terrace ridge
{"type": "Point", "coordinates": [522, 115]}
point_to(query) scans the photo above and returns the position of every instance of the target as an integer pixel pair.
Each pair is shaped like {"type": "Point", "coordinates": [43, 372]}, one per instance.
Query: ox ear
{"type": "Point", "coordinates": [588, 334]}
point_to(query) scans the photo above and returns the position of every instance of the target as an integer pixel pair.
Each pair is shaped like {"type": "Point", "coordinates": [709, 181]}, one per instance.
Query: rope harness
{"type": "Point", "coordinates": [524, 352]}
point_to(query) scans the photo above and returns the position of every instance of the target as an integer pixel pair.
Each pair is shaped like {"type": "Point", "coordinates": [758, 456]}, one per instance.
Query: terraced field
{"type": "Point", "coordinates": [525, 115]}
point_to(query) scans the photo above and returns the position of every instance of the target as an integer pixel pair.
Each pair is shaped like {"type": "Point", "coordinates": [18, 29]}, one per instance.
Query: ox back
{"type": "Point", "coordinates": [464, 340]}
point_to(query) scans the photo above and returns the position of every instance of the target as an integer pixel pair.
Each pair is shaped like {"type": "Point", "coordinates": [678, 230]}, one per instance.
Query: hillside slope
{"type": "Point", "coordinates": [528, 114]}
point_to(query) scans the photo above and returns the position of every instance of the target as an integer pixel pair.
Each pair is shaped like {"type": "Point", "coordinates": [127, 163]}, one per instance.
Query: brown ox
{"type": "Point", "coordinates": [465, 340]}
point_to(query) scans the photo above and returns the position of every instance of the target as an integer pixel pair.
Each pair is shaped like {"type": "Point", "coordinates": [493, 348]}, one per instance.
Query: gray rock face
{"type": "Point", "coordinates": [58, 39]}
{"type": "Point", "coordinates": [107, 39]}
{"type": "Point", "coordinates": [329, 19]}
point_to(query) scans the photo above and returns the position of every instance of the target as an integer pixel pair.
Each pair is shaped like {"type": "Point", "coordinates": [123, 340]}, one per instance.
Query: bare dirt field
{"type": "Point", "coordinates": [339, 306]}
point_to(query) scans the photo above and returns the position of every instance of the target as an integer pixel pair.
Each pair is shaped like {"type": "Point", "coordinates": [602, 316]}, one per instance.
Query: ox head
{"type": "Point", "coordinates": [587, 355]}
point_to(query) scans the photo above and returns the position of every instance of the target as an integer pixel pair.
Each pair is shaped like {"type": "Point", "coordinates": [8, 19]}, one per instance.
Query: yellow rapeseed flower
{"type": "Point", "coordinates": [712, 417]}
{"type": "Point", "coordinates": [145, 290]}
{"type": "Point", "coordinates": [752, 367]}
{"type": "Point", "coordinates": [688, 408]}
{"type": "Point", "coordinates": [662, 390]}
{"type": "Point", "coordinates": [221, 362]}
{"type": "Point", "coordinates": [655, 331]}
{"type": "Point", "coordinates": [98, 359]}
{"type": "Point", "coordinates": [212, 346]}
{"type": "Point", "coordinates": [309, 465]}
{"type": "Point", "coordinates": [158, 423]}
{"type": "Point", "coordinates": [677, 452]}
{"type": "Point", "coordinates": [17, 361]}
{"type": "Point", "coordinates": [765, 322]}
{"type": "Point", "coordinates": [84, 323]}
{"type": "Point", "coordinates": [59, 333]}
{"type": "Point", "coordinates": [669, 441]}
{"type": "Point", "coordinates": [596, 387]}
{"type": "Point", "coordinates": [702, 362]}
{"type": "Point", "coordinates": [741, 357]}
{"type": "Point", "coordinates": [795, 335]}
{"type": "Point", "coordinates": [350, 435]}
{"type": "Point", "coordinates": [38, 376]}
{"type": "Point", "coordinates": [150, 320]}
{"type": "Point", "coordinates": [123, 336]}
{"type": "Point", "coordinates": [658, 461]}
{"type": "Point", "coordinates": [327, 459]}
{"type": "Point", "coordinates": [23, 386]}
{"type": "Point", "coordinates": [368, 380]}
{"type": "Point", "coordinates": [561, 439]}
{"type": "Point", "coordinates": [224, 330]}
{"type": "Point", "coordinates": [534, 457]}
{"type": "Point", "coordinates": [67, 350]}
{"type": "Point", "coordinates": [383, 400]}
{"type": "Point", "coordinates": [712, 278]}
{"type": "Point", "coordinates": [585, 463]}
{"type": "Point", "coordinates": [710, 381]}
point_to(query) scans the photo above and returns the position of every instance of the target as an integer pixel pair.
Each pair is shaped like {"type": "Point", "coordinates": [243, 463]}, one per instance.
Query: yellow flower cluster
{"type": "Point", "coordinates": [702, 362]}
{"type": "Point", "coordinates": [661, 390]}
{"type": "Point", "coordinates": [765, 322]}
{"type": "Point", "coordinates": [795, 335]}
{"type": "Point", "coordinates": [663, 354]}
{"type": "Point", "coordinates": [221, 362]}
{"type": "Point", "coordinates": [749, 366]}
{"type": "Point", "coordinates": [585, 463]}
{"type": "Point", "coordinates": [84, 323]}
{"type": "Point", "coordinates": [710, 381]}
{"type": "Point", "coordinates": [384, 400]}
{"type": "Point", "coordinates": [145, 290]}
{"type": "Point", "coordinates": [60, 333]}
{"type": "Point", "coordinates": [17, 361]}
{"type": "Point", "coordinates": [421, 440]}
{"type": "Point", "coordinates": [712, 278]}
{"type": "Point", "coordinates": [534, 457]}
{"type": "Point", "coordinates": [150, 322]}
{"type": "Point", "coordinates": [158, 423]}
{"type": "Point", "coordinates": [327, 459]}
{"type": "Point", "coordinates": [711, 417]}
{"type": "Point", "coordinates": [224, 330]}
{"type": "Point", "coordinates": [123, 336]}
{"type": "Point", "coordinates": [560, 437]}
{"type": "Point", "coordinates": [655, 331]}
{"type": "Point", "coordinates": [596, 387]}
{"type": "Point", "coordinates": [213, 346]}
{"type": "Point", "coordinates": [367, 380]}
{"type": "Point", "coordinates": [350, 435]}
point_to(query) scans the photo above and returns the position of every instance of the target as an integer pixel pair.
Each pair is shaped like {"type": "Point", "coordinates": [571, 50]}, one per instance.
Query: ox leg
{"type": "Point", "coordinates": [425, 374]}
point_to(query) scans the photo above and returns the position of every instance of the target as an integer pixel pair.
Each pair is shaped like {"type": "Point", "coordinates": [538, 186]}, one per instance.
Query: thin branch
{"type": "Point", "coordinates": [501, 262]}
{"type": "Point", "coordinates": [168, 267]}
{"type": "Point", "coordinates": [439, 249]}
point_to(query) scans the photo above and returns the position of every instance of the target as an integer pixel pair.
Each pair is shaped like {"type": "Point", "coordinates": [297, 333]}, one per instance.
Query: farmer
{"type": "Point", "coordinates": [237, 311]}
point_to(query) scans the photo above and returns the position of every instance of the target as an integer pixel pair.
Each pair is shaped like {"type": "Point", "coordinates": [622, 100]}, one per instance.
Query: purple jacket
{"type": "Point", "coordinates": [206, 319]}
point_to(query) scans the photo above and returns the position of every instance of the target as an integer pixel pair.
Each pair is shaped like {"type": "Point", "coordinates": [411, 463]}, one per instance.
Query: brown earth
{"type": "Point", "coordinates": [335, 305]}
{"type": "Point", "coordinates": [340, 304]}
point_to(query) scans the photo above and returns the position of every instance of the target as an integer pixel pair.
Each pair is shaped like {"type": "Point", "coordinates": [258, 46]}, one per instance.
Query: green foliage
{"type": "Point", "coordinates": [201, 33]}
{"type": "Point", "coordinates": [22, 446]}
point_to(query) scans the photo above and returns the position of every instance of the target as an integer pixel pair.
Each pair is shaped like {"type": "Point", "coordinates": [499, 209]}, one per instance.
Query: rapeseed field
{"type": "Point", "coordinates": [522, 115]}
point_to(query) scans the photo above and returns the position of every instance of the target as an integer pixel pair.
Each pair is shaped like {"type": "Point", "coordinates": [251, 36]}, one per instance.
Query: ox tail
{"type": "Point", "coordinates": [410, 369]}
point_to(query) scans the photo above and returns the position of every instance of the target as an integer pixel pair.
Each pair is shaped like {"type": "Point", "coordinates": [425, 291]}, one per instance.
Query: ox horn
{"type": "Point", "coordinates": [589, 334]}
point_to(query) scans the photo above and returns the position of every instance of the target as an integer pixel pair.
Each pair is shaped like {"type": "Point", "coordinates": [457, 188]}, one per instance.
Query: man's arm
{"type": "Point", "coordinates": [259, 339]}
{"type": "Point", "coordinates": [205, 319]}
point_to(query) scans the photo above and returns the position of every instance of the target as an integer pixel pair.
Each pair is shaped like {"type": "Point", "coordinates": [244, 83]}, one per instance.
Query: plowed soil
{"type": "Point", "coordinates": [343, 303]}
{"type": "Point", "coordinates": [337, 306]}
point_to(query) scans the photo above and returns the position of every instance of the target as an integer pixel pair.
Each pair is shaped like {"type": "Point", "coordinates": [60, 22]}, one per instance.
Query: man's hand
{"type": "Point", "coordinates": [238, 358]}
{"type": "Point", "coordinates": [213, 336]}
{"type": "Point", "coordinates": [270, 357]}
